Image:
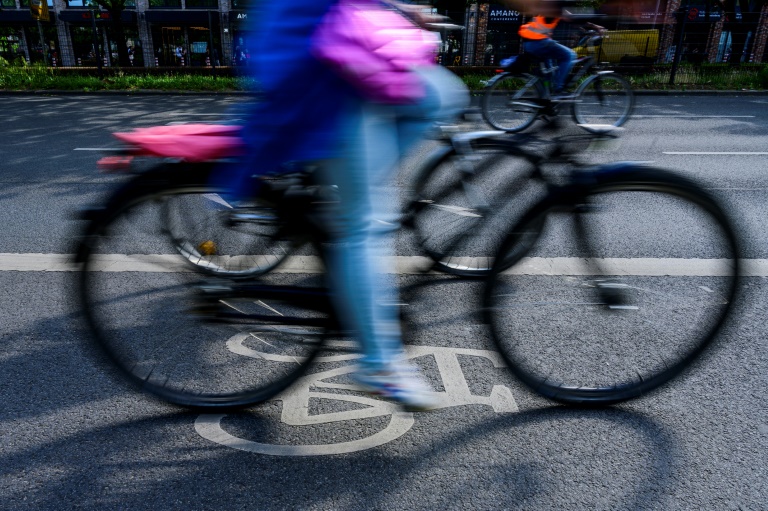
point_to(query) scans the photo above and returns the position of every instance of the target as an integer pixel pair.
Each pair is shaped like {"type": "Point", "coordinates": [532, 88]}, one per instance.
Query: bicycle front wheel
{"type": "Point", "coordinates": [620, 294]}
{"type": "Point", "coordinates": [512, 103]}
{"type": "Point", "coordinates": [603, 100]}
{"type": "Point", "coordinates": [148, 312]}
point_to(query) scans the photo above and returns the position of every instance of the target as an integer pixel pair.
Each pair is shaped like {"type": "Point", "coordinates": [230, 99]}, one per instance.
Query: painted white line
{"type": "Point", "coordinates": [104, 149]}
{"type": "Point", "coordinates": [404, 265]}
{"type": "Point", "coordinates": [719, 153]}
{"type": "Point", "coordinates": [296, 405]}
{"type": "Point", "coordinates": [209, 427]}
{"type": "Point", "coordinates": [694, 116]}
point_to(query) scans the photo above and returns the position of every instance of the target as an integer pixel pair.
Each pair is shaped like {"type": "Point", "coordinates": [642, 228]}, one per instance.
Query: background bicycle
{"type": "Point", "coordinates": [514, 99]}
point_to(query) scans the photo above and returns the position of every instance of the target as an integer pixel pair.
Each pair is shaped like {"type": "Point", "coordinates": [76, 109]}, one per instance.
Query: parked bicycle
{"type": "Point", "coordinates": [514, 99]}
{"type": "Point", "coordinates": [613, 281]}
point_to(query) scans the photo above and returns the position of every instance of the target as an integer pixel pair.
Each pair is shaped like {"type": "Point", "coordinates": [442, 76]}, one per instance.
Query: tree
{"type": "Point", "coordinates": [115, 30]}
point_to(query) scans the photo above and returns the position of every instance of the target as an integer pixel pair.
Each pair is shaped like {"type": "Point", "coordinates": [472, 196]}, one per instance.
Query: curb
{"type": "Point", "coordinates": [141, 92]}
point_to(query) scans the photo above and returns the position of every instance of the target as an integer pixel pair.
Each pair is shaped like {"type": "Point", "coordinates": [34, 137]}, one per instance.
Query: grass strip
{"type": "Point", "coordinates": [23, 78]}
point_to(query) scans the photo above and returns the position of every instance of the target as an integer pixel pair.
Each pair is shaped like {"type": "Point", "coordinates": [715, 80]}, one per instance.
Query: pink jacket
{"type": "Point", "coordinates": [374, 49]}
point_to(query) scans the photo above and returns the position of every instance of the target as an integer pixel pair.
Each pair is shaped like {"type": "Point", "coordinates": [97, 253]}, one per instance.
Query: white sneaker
{"type": "Point", "coordinates": [399, 383]}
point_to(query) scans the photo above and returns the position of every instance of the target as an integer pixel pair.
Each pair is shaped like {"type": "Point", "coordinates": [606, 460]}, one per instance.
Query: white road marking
{"type": "Point", "coordinates": [104, 149]}
{"type": "Point", "coordinates": [404, 265]}
{"type": "Point", "coordinates": [718, 153]}
{"type": "Point", "coordinates": [296, 405]}
{"type": "Point", "coordinates": [694, 116]}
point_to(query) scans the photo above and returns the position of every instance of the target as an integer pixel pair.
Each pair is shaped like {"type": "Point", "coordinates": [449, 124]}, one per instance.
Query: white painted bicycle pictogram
{"type": "Point", "coordinates": [296, 401]}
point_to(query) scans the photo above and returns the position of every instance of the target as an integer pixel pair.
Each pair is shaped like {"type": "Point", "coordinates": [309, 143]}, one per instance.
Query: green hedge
{"type": "Point", "coordinates": [24, 77]}
{"type": "Point", "coordinates": [44, 78]}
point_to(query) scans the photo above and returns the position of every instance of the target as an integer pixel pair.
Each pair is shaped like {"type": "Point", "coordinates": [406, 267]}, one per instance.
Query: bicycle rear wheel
{"type": "Point", "coordinates": [621, 297]}
{"type": "Point", "coordinates": [152, 316]}
{"type": "Point", "coordinates": [512, 103]}
{"type": "Point", "coordinates": [603, 100]}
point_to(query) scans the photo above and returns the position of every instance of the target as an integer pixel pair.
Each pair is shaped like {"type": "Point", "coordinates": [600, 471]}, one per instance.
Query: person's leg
{"type": "Point", "coordinates": [360, 271]}
{"type": "Point", "coordinates": [565, 59]}
{"type": "Point", "coordinates": [352, 256]}
{"type": "Point", "coordinates": [549, 49]}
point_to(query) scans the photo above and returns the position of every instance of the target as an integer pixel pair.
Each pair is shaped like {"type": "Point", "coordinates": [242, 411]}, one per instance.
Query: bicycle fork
{"type": "Point", "coordinates": [612, 293]}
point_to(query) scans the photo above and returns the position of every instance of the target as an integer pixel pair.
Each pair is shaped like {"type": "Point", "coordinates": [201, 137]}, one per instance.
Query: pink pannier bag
{"type": "Point", "coordinates": [375, 48]}
{"type": "Point", "coordinates": [189, 142]}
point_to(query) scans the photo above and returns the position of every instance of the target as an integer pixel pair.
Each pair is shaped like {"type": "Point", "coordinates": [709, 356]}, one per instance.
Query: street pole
{"type": "Point", "coordinates": [96, 43]}
{"type": "Point", "coordinates": [42, 42]}
{"type": "Point", "coordinates": [679, 48]}
{"type": "Point", "coordinates": [210, 39]}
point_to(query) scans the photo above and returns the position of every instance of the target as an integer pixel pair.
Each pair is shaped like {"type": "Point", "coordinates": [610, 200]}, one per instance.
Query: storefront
{"type": "Point", "coordinates": [21, 38]}
{"type": "Point", "coordinates": [241, 38]}
{"type": "Point", "coordinates": [13, 43]}
{"type": "Point", "coordinates": [87, 44]}
{"type": "Point", "coordinates": [184, 38]}
{"type": "Point", "coordinates": [502, 40]}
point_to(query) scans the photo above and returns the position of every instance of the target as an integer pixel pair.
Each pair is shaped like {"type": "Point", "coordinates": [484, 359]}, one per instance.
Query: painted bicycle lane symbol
{"type": "Point", "coordinates": [296, 403]}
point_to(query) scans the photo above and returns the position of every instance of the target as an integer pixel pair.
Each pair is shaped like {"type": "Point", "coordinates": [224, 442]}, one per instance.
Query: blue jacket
{"type": "Point", "coordinates": [298, 116]}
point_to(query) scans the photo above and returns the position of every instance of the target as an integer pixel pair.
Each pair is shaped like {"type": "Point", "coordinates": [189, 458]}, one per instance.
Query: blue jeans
{"type": "Point", "coordinates": [360, 272]}
{"type": "Point", "coordinates": [549, 49]}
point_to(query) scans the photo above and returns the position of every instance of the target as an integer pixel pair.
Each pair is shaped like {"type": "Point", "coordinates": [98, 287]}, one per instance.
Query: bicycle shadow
{"type": "Point", "coordinates": [570, 449]}
{"type": "Point", "coordinates": [547, 457]}
{"type": "Point", "coordinates": [158, 462]}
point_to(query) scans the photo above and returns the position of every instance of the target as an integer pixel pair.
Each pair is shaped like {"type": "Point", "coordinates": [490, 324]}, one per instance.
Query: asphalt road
{"type": "Point", "coordinates": [72, 437]}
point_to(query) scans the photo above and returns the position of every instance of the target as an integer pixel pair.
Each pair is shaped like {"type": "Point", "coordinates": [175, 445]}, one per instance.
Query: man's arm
{"type": "Point", "coordinates": [597, 28]}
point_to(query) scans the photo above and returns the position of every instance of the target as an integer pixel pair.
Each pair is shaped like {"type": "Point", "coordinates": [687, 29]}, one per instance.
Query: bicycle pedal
{"type": "Point", "coordinates": [615, 294]}
{"type": "Point", "coordinates": [212, 292]}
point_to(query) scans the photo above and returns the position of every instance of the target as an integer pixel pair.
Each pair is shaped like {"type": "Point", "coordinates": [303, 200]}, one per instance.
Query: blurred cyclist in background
{"type": "Point", "coordinates": [537, 39]}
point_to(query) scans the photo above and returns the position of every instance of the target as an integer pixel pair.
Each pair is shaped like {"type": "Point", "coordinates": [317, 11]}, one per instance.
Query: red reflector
{"type": "Point", "coordinates": [114, 163]}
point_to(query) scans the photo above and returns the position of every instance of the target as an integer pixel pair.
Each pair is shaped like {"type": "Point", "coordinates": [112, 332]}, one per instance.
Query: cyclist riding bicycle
{"type": "Point", "coordinates": [537, 40]}
{"type": "Point", "coordinates": [311, 113]}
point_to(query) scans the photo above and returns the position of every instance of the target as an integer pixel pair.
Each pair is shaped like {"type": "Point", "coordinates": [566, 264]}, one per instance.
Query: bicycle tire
{"type": "Point", "coordinates": [603, 100]}
{"type": "Point", "coordinates": [143, 307]}
{"type": "Point", "coordinates": [458, 219]}
{"type": "Point", "coordinates": [618, 327]}
{"type": "Point", "coordinates": [511, 104]}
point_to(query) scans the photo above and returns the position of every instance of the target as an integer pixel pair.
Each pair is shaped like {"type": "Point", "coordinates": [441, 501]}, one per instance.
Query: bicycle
{"type": "Point", "coordinates": [223, 343]}
{"type": "Point", "coordinates": [514, 99]}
